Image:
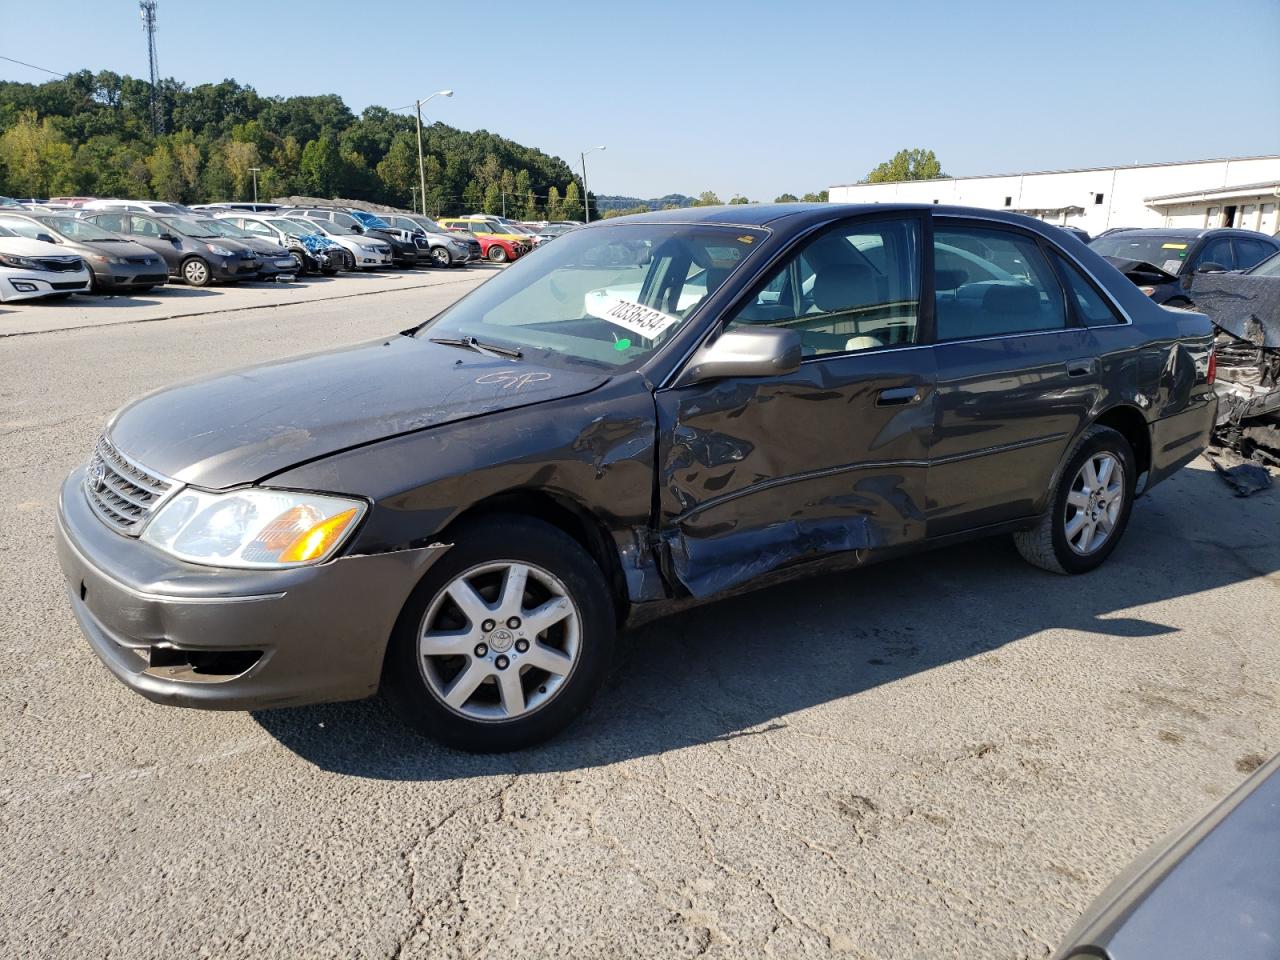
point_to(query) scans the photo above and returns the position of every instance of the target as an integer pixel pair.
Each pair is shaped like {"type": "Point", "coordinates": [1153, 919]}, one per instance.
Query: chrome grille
{"type": "Point", "coordinates": [60, 264]}
{"type": "Point", "coordinates": [122, 493]}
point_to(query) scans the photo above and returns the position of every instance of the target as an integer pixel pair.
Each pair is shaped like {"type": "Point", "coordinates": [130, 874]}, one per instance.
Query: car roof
{"type": "Point", "coordinates": [770, 214]}
{"type": "Point", "coordinates": [1186, 232]}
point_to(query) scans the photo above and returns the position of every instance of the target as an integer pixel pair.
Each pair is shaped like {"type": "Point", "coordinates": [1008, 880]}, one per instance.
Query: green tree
{"type": "Point", "coordinates": [530, 211]}
{"type": "Point", "coordinates": [36, 158]}
{"type": "Point", "coordinates": [554, 209]}
{"type": "Point", "coordinates": [786, 198]}
{"type": "Point", "coordinates": [572, 206]}
{"type": "Point", "coordinates": [914, 164]}
{"type": "Point", "coordinates": [320, 169]}
{"type": "Point", "coordinates": [492, 199]}
{"type": "Point", "coordinates": [738, 199]}
{"type": "Point", "coordinates": [707, 198]}
{"type": "Point", "coordinates": [398, 170]}
{"type": "Point", "coordinates": [472, 197]}
{"type": "Point", "coordinates": [166, 177]}
{"type": "Point", "coordinates": [240, 156]}
{"type": "Point", "coordinates": [820, 197]}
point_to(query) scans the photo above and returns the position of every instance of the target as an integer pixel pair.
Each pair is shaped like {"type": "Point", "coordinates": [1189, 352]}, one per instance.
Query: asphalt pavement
{"type": "Point", "coordinates": [943, 756]}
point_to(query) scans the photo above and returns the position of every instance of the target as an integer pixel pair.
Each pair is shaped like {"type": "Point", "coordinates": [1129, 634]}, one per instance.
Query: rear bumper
{"type": "Point", "coordinates": [193, 636]}
{"type": "Point", "coordinates": [1179, 439]}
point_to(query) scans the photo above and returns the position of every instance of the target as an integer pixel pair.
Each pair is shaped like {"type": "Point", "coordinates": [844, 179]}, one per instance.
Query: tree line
{"type": "Point", "coordinates": [90, 134]}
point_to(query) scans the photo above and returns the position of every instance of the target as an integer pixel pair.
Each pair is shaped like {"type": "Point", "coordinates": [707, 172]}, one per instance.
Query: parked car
{"type": "Point", "coordinates": [367, 253]}
{"type": "Point", "coordinates": [142, 206]}
{"type": "Point", "coordinates": [1177, 254]}
{"type": "Point", "coordinates": [464, 513]}
{"type": "Point", "coordinates": [1245, 307]}
{"type": "Point", "coordinates": [312, 251]}
{"type": "Point", "coordinates": [192, 252]}
{"type": "Point", "coordinates": [502, 245]}
{"type": "Point", "coordinates": [31, 269]}
{"type": "Point", "coordinates": [114, 262]}
{"type": "Point", "coordinates": [276, 261]}
{"type": "Point", "coordinates": [446, 249]}
{"type": "Point", "coordinates": [403, 249]}
{"type": "Point", "coordinates": [1211, 890]}
{"type": "Point", "coordinates": [410, 248]}
{"type": "Point", "coordinates": [1077, 232]}
{"type": "Point", "coordinates": [245, 207]}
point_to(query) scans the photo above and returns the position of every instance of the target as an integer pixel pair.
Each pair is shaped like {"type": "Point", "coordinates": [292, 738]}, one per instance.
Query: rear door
{"type": "Point", "coordinates": [1018, 375]}
{"type": "Point", "coordinates": [764, 472]}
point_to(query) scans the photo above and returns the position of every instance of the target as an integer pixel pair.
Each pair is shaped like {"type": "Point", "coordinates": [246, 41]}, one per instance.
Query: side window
{"type": "Point", "coordinates": [111, 221]}
{"type": "Point", "coordinates": [1092, 309]}
{"type": "Point", "coordinates": [1216, 251]}
{"type": "Point", "coordinates": [23, 228]}
{"type": "Point", "coordinates": [1250, 253]}
{"type": "Point", "coordinates": [261, 230]}
{"type": "Point", "coordinates": [145, 227]}
{"type": "Point", "coordinates": [853, 288]}
{"type": "Point", "coordinates": [992, 282]}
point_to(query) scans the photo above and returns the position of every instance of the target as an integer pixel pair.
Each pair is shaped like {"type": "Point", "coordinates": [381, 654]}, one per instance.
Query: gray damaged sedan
{"type": "Point", "coordinates": [653, 411]}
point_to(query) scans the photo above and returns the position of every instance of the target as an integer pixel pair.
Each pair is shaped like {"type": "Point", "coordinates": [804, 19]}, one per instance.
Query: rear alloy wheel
{"type": "Point", "coordinates": [196, 272]}
{"type": "Point", "coordinates": [441, 257]}
{"type": "Point", "coordinates": [504, 641]}
{"type": "Point", "coordinates": [1090, 507]}
{"type": "Point", "coordinates": [498, 254]}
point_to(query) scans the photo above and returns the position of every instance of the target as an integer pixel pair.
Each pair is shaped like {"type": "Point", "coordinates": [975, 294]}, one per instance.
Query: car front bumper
{"type": "Point", "coordinates": [20, 285]}
{"type": "Point", "coordinates": [112, 276]}
{"type": "Point", "coordinates": [195, 636]}
{"type": "Point", "coordinates": [234, 268]}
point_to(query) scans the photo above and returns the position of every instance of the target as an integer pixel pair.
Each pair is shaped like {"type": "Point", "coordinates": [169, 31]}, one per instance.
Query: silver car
{"type": "Point", "coordinates": [115, 263]}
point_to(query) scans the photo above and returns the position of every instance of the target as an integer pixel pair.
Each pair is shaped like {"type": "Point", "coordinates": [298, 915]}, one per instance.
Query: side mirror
{"type": "Point", "coordinates": [45, 237]}
{"type": "Point", "coordinates": [357, 228]}
{"type": "Point", "coordinates": [765, 352]}
{"type": "Point", "coordinates": [167, 236]}
{"type": "Point", "coordinates": [1211, 267]}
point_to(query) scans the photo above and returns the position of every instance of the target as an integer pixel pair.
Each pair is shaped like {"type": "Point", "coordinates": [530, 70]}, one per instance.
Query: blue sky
{"type": "Point", "coordinates": [754, 98]}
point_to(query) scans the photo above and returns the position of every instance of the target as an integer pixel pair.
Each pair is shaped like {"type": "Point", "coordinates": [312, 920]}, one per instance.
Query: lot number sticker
{"type": "Point", "coordinates": [631, 316]}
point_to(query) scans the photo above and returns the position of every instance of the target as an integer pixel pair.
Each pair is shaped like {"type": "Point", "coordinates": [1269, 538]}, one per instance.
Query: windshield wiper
{"type": "Point", "coordinates": [489, 349]}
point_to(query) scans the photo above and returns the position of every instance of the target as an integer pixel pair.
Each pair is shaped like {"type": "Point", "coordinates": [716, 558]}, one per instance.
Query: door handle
{"type": "Point", "coordinates": [1081, 368]}
{"type": "Point", "coordinates": [895, 396]}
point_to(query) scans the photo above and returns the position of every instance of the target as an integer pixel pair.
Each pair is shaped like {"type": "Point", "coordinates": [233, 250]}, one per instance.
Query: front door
{"type": "Point", "coordinates": [756, 474]}
{"type": "Point", "coordinates": [1017, 376]}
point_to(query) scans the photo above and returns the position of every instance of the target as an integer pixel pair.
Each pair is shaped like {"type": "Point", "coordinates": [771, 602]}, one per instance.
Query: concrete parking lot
{"type": "Point", "coordinates": [946, 756]}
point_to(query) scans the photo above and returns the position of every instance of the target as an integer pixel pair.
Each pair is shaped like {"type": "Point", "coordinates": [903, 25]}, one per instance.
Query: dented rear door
{"type": "Point", "coordinates": [760, 473]}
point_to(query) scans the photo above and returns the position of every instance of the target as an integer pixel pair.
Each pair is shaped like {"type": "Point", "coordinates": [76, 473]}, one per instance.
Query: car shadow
{"type": "Point", "coordinates": [729, 668]}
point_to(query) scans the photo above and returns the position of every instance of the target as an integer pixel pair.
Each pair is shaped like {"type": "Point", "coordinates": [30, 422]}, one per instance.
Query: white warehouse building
{"type": "Point", "coordinates": [1239, 192]}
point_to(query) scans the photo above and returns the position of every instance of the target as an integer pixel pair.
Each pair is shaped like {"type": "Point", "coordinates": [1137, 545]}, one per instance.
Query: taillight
{"type": "Point", "coordinates": [1213, 366]}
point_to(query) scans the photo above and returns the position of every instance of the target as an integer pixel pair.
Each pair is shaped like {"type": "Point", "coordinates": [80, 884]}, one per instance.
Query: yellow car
{"type": "Point", "coordinates": [504, 243]}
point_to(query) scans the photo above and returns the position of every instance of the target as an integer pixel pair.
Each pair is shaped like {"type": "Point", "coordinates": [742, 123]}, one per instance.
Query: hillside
{"type": "Point", "coordinates": [90, 135]}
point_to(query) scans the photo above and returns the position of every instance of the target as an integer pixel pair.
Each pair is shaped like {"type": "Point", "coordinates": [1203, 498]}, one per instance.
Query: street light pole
{"type": "Point", "coordinates": [422, 169]}
{"type": "Point", "coordinates": [254, 171]}
{"type": "Point", "coordinates": [586, 195]}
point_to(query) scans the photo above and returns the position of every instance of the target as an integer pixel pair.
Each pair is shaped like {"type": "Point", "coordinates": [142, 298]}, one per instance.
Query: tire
{"type": "Point", "coordinates": [498, 254]}
{"type": "Point", "coordinates": [491, 714]}
{"type": "Point", "coordinates": [300, 265]}
{"type": "Point", "coordinates": [196, 273]}
{"type": "Point", "coordinates": [441, 257]}
{"type": "Point", "coordinates": [1076, 537]}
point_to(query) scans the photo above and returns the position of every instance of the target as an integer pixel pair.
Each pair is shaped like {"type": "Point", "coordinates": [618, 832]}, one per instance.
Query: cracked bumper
{"type": "Point", "coordinates": [169, 629]}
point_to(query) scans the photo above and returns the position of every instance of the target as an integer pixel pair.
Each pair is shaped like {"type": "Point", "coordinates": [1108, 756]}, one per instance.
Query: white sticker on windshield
{"type": "Point", "coordinates": [631, 316]}
{"type": "Point", "coordinates": [1172, 266]}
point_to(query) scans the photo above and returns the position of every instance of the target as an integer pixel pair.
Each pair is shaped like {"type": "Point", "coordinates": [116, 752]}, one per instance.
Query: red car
{"type": "Point", "coordinates": [492, 248]}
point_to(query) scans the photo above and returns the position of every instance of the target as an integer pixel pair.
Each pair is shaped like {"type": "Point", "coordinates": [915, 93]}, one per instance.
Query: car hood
{"type": "Point", "coordinates": [244, 426]}
{"type": "Point", "coordinates": [269, 247]}
{"type": "Point", "coordinates": [25, 247]}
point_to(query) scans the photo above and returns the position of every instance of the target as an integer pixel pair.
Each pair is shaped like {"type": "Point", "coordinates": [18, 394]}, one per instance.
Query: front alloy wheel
{"type": "Point", "coordinates": [441, 257]}
{"type": "Point", "coordinates": [505, 639]}
{"type": "Point", "coordinates": [499, 641]}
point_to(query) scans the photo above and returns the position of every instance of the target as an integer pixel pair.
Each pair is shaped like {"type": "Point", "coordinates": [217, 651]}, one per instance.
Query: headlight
{"type": "Point", "coordinates": [18, 263]}
{"type": "Point", "coordinates": [253, 527]}
{"type": "Point", "coordinates": [369, 247]}
{"type": "Point", "coordinates": [218, 251]}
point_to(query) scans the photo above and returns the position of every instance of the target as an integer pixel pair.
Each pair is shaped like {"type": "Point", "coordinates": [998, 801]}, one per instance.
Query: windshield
{"type": "Point", "coordinates": [78, 229]}
{"type": "Point", "coordinates": [1267, 268]}
{"type": "Point", "coordinates": [427, 224]}
{"type": "Point", "coordinates": [369, 220]}
{"type": "Point", "coordinates": [608, 296]}
{"type": "Point", "coordinates": [1168, 253]}
{"type": "Point", "coordinates": [306, 226]}
{"type": "Point", "coordinates": [225, 228]}
{"type": "Point", "coordinates": [190, 228]}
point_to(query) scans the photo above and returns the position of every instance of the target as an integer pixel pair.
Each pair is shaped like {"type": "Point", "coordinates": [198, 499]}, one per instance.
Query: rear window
{"type": "Point", "coordinates": [1168, 253]}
